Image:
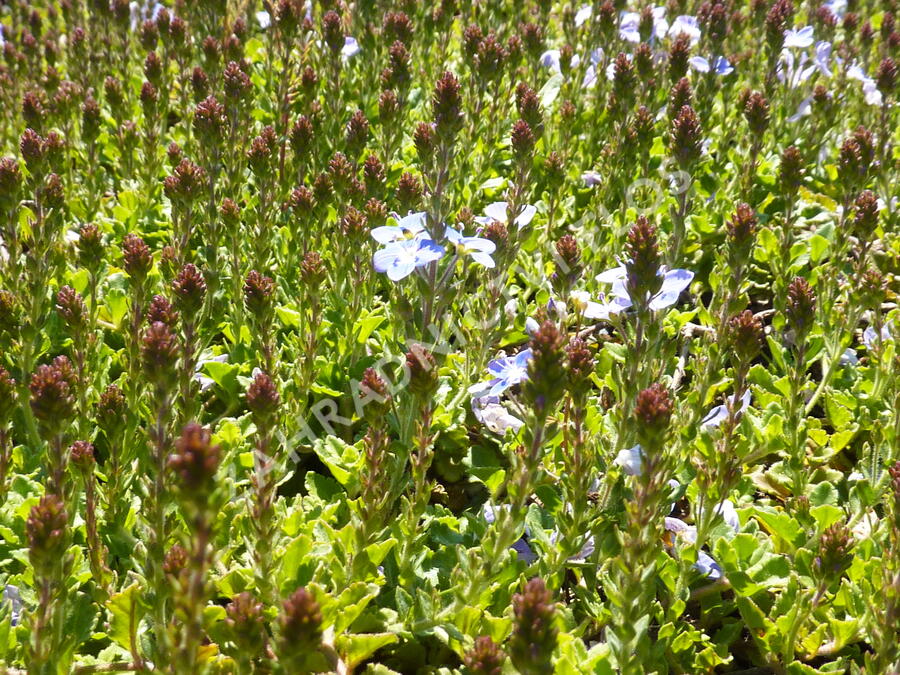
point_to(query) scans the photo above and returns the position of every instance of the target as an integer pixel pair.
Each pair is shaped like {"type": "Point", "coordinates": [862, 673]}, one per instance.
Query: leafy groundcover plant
{"type": "Point", "coordinates": [521, 336]}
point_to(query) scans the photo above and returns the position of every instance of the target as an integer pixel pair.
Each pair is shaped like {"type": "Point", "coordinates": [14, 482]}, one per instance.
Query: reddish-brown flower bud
{"type": "Point", "coordinates": [745, 335]}
{"type": "Point", "coordinates": [425, 141]}
{"type": "Point", "coordinates": [246, 623]}
{"type": "Point", "coordinates": [159, 354]}
{"type": "Point", "coordinates": [90, 119]}
{"type": "Point", "coordinates": [31, 145]}
{"type": "Point", "coordinates": [210, 121]}
{"type": "Point", "coordinates": [686, 138]}
{"type": "Point", "coordinates": [374, 395]}
{"type": "Point", "coordinates": [422, 371]}
{"type": "Point", "coordinates": [313, 271]}
{"type": "Point", "coordinates": [189, 289]}
{"type": "Point", "coordinates": [446, 103]}
{"type": "Point", "coordinates": [236, 83]}
{"type": "Point", "coordinates": [175, 561]}
{"type": "Point", "coordinates": [756, 112]}
{"type": "Point", "coordinates": [682, 94]}
{"type": "Point", "coordinates": [741, 232]}
{"type": "Point", "coordinates": [8, 397]}
{"type": "Point", "coordinates": [801, 307]}
{"type": "Point", "coordinates": [357, 133]}
{"type": "Point", "coordinates": [300, 626]}
{"type": "Point", "coordinates": [643, 262]}
{"type": "Point", "coordinates": [199, 84]}
{"type": "Point", "coordinates": [262, 397]}
{"type": "Point", "coordinates": [653, 410]}
{"type": "Point", "coordinates": [790, 175]}
{"type": "Point", "coordinates": [162, 311]}
{"type": "Point", "coordinates": [259, 294]}
{"type": "Point", "coordinates": [388, 107]}
{"type": "Point", "coordinates": [534, 634]}
{"type": "Point", "coordinates": [111, 410]}
{"type": "Point", "coordinates": [10, 183]}
{"type": "Point", "coordinates": [865, 219]}
{"type": "Point", "coordinates": [835, 553]}
{"type": "Point", "coordinates": [522, 141]}
{"type": "Point", "coordinates": [186, 184]}
{"type": "Point", "coordinates": [53, 394]}
{"type": "Point", "coordinates": [81, 455]}
{"type": "Point", "coordinates": [71, 308]}
{"type": "Point", "coordinates": [46, 531]}
{"type": "Point", "coordinates": [580, 363]}
{"type": "Point", "coordinates": [485, 658]}
{"type": "Point", "coordinates": [777, 22]}
{"type": "Point", "coordinates": [546, 368]}
{"type": "Point", "coordinates": [195, 462]}
{"type": "Point", "coordinates": [409, 192]}
{"type": "Point", "coordinates": [886, 77]}
{"type": "Point", "coordinates": [679, 54]}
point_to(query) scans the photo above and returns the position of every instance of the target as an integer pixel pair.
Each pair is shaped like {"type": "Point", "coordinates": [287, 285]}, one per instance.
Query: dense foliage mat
{"type": "Point", "coordinates": [509, 336]}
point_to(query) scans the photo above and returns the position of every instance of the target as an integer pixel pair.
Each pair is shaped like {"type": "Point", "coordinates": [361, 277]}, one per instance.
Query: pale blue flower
{"type": "Point", "coordinates": [791, 69]}
{"type": "Point", "coordinates": [497, 212]}
{"type": "Point", "coordinates": [611, 67]}
{"type": "Point", "coordinates": [591, 178]}
{"type": "Point", "coordinates": [401, 258]}
{"type": "Point", "coordinates": [590, 75]}
{"type": "Point", "coordinates": [477, 248]}
{"type": "Point", "coordinates": [629, 25]}
{"type": "Point", "coordinates": [837, 7]}
{"type": "Point", "coordinates": [550, 59]}
{"type": "Point", "coordinates": [822, 58]}
{"type": "Point", "coordinates": [871, 92]}
{"type": "Point", "coordinates": [720, 65]}
{"type": "Point", "coordinates": [631, 461]}
{"type": "Point", "coordinates": [351, 47]}
{"type": "Point", "coordinates": [491, 413]}
{"type": "Point", "coordinates": [803, 110]}
{"type": "Point", "coordinates": [870, 89]}
{"type": "Point", "coordinates": [800, 38]}
{"type": "Point", "coordinates": [581, 302]}
{"type": "Point", "coordinates": [521, 547]}
{"type": "Point", "coordinates": [707, 566]}
{"type": "Point", "coordinates": [849, 358]}
{"type": "Point", "coordinates": [705, 563]}
{"type": "Point", "coordinates": [729, 514]}
{"type": "Point", "coordinates": [139, 12]}
{"type": "Point", "coordinates": [720, 413]}
{"type": "Point", "coordinates": [687, 25]}
{"type": "Point", "coordinates": [508, 371]}
{"type": "Point", "coordinates": [870, 336]}
{"type": "Point", "coordinates": [673, 283]}
{"type": "Point", "coordinates": [408, 227]}
{"type": "Point", "coordinates": [263, 19]}
{"type": "Point", "coordinates": [11, 595]}
{"type": "Point", "coordinates": [582, 15]}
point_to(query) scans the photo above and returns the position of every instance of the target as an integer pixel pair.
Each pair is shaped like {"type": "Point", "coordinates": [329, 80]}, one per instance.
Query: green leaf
{"type": "Point", "coordinates": [126, 610]}
{"type": "Point", "coordinates": [224, 375]}
{"type": "Point", "coordinates": [341, 459]}
{"type": "Point", "coordinates": [289, 317]}
{"type": "Point", "coordinates": [365, 326]}
{"type": "Point", "coordinates": [354, 649]}
{"type": "Point", "coordinates": [351, 603]}
{"type": "Point", "coordinates": [550, 90]}
{"type": "Point", "coordinates": [818, 246]}
{"type": "Point", "coordinates": [826, 515]}
{"type": "Point", "coordinates": [115, 306]}
{"type": "Point", "coordinates": [296, 565]}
